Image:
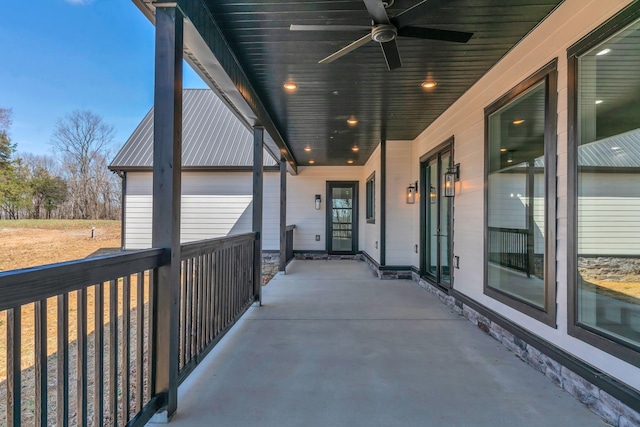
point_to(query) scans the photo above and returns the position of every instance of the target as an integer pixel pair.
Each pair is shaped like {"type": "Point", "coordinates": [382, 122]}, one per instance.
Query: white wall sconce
{"type": "Point", "coordinates": [412, 192]}
{"type": "Point", "coordinates": [450, 178]}
{"type": "Point", "coordinates": [318, 201]}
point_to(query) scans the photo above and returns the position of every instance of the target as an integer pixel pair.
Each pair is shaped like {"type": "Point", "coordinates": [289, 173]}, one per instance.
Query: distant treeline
{"type": "Point", "coordinates": [73, 184]}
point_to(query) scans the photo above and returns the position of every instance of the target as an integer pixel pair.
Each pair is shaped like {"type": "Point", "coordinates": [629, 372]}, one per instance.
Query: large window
{"type": "Point", "coordinates": [520, 196]}
{"type": "Point", "coordinates": [371, 199]}
{"type": "Point", "coordinates": [605, 187]}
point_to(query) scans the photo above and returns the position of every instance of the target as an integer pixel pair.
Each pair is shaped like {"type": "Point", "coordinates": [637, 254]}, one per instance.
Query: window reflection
{"type": "Point", "coordinates": [609, 187]}
{"type": "Point", "coordinates": [516, 205]}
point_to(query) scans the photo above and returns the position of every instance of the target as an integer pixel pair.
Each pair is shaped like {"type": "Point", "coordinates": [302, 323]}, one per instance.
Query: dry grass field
{"type": "Point", "coordinates": [27, 243]}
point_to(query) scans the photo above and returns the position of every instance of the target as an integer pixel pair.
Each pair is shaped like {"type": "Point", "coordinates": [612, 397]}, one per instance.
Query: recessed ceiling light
{"type": "Point", "coordinates": [352, 120]}
{"type": "Point", "coordinates": [330, 137]}
{"type": "Point", "coordinates": [311, 162]}
{"type": "Point", "coordinates": [282, 150]}
{"type": "Point", "coordinates": [428, 84]}
{"type": "Point", "coordinates": [518, 121]}
{"type": "Point", "coordinates": [615, 148]}
{"type": "Point", "coordinates": [355, 149]}
{"type": "Point", "coordinates": [509, 160]}
{"type": "Point", "coordinates": [603, 52]}
{"type": "Point", "coordinates": [599, 101]}
{"type": "Point", "coordinates": [503, 149]}
{"type": "Point", "coordinates": [350, 161]}
{"type": "Point", "coordinates": [290, 86]}
{"type": "Point", "coordinates": [335, 92]}
{"type": "Point", "coordinates": [307, 149]}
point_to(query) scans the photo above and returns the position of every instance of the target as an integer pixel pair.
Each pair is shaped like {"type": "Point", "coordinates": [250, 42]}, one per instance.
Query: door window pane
{"type": "Point", "coordinates": [342, 219]}
{"type": "Point", "coordinates": [515, 192]}
{"type": "Point", "coordinates": [609, 187]}
{"type": "Point", "coordinates": [445, 223]}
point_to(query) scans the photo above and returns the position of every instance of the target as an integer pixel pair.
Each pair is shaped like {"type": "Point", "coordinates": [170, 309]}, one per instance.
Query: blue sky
{"type": "Point", "coordinates": [63, 55]}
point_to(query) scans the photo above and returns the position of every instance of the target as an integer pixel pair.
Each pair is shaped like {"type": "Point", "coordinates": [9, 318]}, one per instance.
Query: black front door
{"type": "Point", "coordinates": [342, 217]}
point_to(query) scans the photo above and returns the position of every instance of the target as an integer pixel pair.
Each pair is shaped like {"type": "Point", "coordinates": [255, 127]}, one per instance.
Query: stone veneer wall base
{"type": "Point", "coordinates": [610, 409]}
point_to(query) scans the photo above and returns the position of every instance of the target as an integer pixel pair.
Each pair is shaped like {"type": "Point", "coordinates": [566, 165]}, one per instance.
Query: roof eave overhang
{"type": "Point", "coordinates": [214, 61]}
{"type": "Point", "coordinates": [275, 168]}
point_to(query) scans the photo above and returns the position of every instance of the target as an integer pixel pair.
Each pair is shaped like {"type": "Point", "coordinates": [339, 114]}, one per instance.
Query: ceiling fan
{"type": "Point", "coordinates": [385, 29]}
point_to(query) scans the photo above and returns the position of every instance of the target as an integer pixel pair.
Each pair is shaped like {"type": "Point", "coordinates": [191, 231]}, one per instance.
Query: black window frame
{"type": "Point", "coordinates": [370, 203]}
{"type": "Point", "coordinates": [621, 349]}
{"type": "Point", "coordinates": [549, 75]}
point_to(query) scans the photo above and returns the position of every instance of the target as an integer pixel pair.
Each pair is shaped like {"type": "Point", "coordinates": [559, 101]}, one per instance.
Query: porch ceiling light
{"type": "Point", "coordinates": [412, 192]}
{"type": "Point", "coordinates": [599, 101]}
{"type": "Point", "coordinates": [503, 149]}
{"type": "Point", "coordinates": [355, 149]}
{"type": "Point", "coordinates": [290, 86]}
{"type": "Point", "coordinates": [352, 121]}
{"type": "Point", "coordinates": [450, 178]}
{"type": "Point", "coordinates": [311, 162]}
{"type": "Point", "coordinates": [603, 52]}
{"type": "Point", "coordinates": [428, 84]}
{"type": "Point", "coordinates": [307, 148]}
{"type": "Point", "coordinates": [518, 121]}
{"type": "Point", "coordinates": [350, 161]}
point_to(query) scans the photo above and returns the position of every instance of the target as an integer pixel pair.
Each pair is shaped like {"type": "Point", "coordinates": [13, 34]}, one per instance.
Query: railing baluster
{"type": "Point", "coordinates": [189, 326]}
{"type": "Point", "coordinates": [183, 315]}
{"type": "Point", "coordinates": [62, 403]}
{"type": "Point", "coordinates": [126, 346]}
{"type": "Point", "coordinates": [81, 357]}
{"type": "Point", "coordinates": [151, 360]}
{"type": "Point", "coordinates": [14, 361]}
{"type": "Point", "coordinates": [113, 352]}
{"type": "Point", "coordinates": [139, 340]}
{"type": "Point", "coordinates": [218, 294]}
{"type": "Point", "coordinates": [98, 366]}
{"type": "Point", "coordinates": [200, 279]}
{"type": "Point", "coordinates": [207, 311]}
{"type": "Point", "coordinates": [40, 311]}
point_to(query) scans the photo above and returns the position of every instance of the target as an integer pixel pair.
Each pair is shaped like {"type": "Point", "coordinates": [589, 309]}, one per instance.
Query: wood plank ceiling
{"type": "Point", "coordinates": [387, 104]}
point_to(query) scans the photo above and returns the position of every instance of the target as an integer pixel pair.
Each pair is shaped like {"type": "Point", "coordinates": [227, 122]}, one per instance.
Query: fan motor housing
{"type": "Point", "coordinates": [383, 33]}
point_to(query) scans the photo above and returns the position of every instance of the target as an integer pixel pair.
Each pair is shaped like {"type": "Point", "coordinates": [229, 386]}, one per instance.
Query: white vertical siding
{"type": "Point", "coordinates": [301, 191]}
{"type": "Point", "coordinates": [214, 204]}
{"type": "Point", "coordinates": [400, 236]}
{"type": "Point", "coordinates": [571, 21]}
{"type": "Point", "coordinates": [371, 231]}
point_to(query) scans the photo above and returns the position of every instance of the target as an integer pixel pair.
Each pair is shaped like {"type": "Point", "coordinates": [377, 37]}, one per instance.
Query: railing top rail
{"type": "Point", "coordinates": [27, 285]}
{"type": "Point", "coordinates": [191, 249]}
{"type": "Point", "coordinates": [510, 230]}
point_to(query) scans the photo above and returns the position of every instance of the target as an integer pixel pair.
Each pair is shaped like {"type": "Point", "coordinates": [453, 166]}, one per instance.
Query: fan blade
{"type": "Point", "coordinates": [294, 27]}
{"type": "Point", "coordinates": [435, 34]}
{"type": "Point", "coordinates": [391, 54]}
{"type": "Point", "coordinates": [342, 52]}
{"type": "Point", "coordinates": [377, 12]}
{"type": "Point", "coordinates": [416, 12]}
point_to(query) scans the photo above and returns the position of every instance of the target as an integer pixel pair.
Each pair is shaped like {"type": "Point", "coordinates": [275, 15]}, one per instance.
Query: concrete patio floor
{"type": "Point", "coordinates": [334, 346]}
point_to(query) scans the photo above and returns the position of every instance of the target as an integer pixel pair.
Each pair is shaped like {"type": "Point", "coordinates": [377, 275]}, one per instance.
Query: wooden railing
{"type": "Point", "coordinates": [509, 247]}
{"type": "Point", "coordinates": [79, 342]}
{"type": "Point", "coordinates": [216, 289]}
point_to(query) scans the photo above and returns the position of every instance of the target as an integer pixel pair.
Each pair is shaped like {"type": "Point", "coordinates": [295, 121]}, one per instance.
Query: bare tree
{"type": "Point", "coordinates": [83, 141]}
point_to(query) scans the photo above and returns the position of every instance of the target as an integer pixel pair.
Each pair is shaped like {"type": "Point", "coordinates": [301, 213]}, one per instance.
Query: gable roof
{"type": "Point", "coordinates": [212, 137]}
